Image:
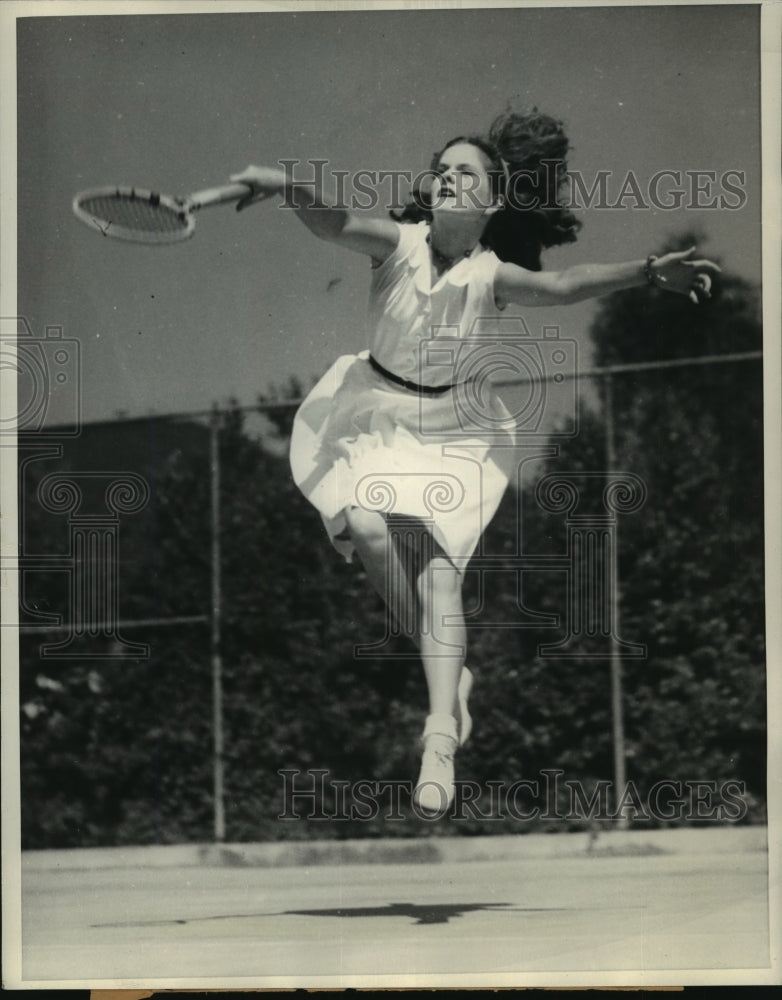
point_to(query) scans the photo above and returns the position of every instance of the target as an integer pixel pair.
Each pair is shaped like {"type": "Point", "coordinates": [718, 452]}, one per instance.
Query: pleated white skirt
{"type": "Point", "coordinates": [360, 440]}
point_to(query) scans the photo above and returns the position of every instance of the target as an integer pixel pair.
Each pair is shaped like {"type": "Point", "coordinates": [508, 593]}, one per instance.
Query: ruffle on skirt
{"type": "Point", "coordinates": [358, 440]}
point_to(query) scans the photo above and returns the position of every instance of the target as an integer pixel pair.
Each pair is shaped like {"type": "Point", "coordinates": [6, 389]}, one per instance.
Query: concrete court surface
{"type": "Point", "coordinates": [664, 918]}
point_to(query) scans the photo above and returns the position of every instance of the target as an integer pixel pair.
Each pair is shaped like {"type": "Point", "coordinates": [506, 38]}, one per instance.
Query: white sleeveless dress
{"type": "Point", "coordinates": [361, 440]}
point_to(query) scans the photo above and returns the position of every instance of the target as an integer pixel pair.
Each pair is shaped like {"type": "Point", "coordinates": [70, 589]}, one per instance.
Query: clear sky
{"type": "Point", "coordinates": [179, 102]}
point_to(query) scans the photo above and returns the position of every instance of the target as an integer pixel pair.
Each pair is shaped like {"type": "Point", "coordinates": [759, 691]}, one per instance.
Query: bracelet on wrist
{"type": "Point", "coordinates": [653, 278]}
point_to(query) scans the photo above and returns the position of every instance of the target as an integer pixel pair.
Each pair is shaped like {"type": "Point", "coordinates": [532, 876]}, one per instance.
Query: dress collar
{"type": "Point", "coordinates": [457, 275]}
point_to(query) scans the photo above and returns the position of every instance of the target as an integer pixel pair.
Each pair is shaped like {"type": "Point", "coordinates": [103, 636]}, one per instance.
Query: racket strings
{"type": "Point", "coordinates": [142, 216]}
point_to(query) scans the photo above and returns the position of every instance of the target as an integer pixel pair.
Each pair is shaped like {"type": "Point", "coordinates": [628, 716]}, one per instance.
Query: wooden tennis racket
{"type": "Point", "coordinates": [140, 216]}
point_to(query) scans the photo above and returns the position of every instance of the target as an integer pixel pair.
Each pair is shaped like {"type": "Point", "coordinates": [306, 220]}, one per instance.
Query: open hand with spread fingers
{"type": "Point", "coordinates": [678, 272]}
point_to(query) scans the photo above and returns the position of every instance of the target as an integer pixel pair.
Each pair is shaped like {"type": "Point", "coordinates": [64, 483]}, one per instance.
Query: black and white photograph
{"type": "Point", "coordinates": [390, 442]}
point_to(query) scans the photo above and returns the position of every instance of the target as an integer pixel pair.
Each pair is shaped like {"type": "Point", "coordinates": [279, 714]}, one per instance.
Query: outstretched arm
{"type": "Point", "coordinates": [675, 272]}
{"type": "Point", "coordinates": [375, 237]}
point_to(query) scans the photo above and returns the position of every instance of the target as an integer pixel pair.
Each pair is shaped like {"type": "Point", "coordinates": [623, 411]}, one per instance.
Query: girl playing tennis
{"type": "Point", "coordinates": [384, 446]}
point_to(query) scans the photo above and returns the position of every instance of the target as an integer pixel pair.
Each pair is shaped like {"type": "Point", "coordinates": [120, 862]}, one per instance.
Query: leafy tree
{"type": "Point", "coordinates": [690, 561]}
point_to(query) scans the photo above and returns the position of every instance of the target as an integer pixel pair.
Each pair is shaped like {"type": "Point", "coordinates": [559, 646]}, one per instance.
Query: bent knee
{"type": "Point", "coordinates": [366, 526]}
{"type": "Point", "coordinates": [440, 578]}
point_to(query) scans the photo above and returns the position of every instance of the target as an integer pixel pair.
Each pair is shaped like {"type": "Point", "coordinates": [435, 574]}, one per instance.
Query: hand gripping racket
{"type": "Point", "coordinates": [147, 217]}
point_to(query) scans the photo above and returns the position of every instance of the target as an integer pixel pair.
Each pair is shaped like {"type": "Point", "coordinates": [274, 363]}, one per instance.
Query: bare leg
{"type": "Point", "coordinates": [443, 642]}
{"type": "Point", "coordinates": [421, 588]}
{"type": "Point", "coordinates": [388, 570]}
{"type": "Point", "coordinates": [439, 587]}
{"type": "Point", "coordinates": [437, 596]}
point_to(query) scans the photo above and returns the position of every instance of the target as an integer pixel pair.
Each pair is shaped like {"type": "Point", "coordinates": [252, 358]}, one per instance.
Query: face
{"type": "Point", "coordinates": [463, 183]}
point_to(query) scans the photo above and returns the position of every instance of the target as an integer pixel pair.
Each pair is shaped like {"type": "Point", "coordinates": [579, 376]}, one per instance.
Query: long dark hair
{"type": "Point", "coordinates": [527, 153]}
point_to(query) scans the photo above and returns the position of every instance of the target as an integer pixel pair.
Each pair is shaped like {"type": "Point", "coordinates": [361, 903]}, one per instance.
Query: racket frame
{"type": "Point", "coordinates": [184, 208]}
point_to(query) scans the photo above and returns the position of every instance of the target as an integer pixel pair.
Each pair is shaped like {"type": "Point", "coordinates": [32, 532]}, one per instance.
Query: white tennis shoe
{"type": "Point", "coordinates": [434, 790]}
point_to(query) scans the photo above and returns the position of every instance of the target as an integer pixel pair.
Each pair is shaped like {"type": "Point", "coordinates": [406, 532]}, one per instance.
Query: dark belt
{"type": "Point", "coordinates": [422, 390]}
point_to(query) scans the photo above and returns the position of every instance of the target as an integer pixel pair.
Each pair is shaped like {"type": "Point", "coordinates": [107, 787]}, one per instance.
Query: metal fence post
{"type": "Point", "coordinates": [216, 656]}
{"type": "Point", "coordinates": [617, 716]}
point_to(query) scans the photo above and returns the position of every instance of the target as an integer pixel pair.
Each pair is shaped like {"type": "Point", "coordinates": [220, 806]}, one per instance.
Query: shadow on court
{"type": "Point", "coordinates": [697, 910]}
{"type": "Point", "coordinates": [432, 913]}
{"type": "Point", "coordinates": [427, 914]}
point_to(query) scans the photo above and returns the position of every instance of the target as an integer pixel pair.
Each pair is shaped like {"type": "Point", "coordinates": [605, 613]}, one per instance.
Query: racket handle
{"type": "Point", "coordinates": [218, 195]}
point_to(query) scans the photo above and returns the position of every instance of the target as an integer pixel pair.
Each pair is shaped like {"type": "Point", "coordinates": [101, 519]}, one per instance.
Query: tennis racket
{"type": "Point", "coordinates": [140, 216]}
